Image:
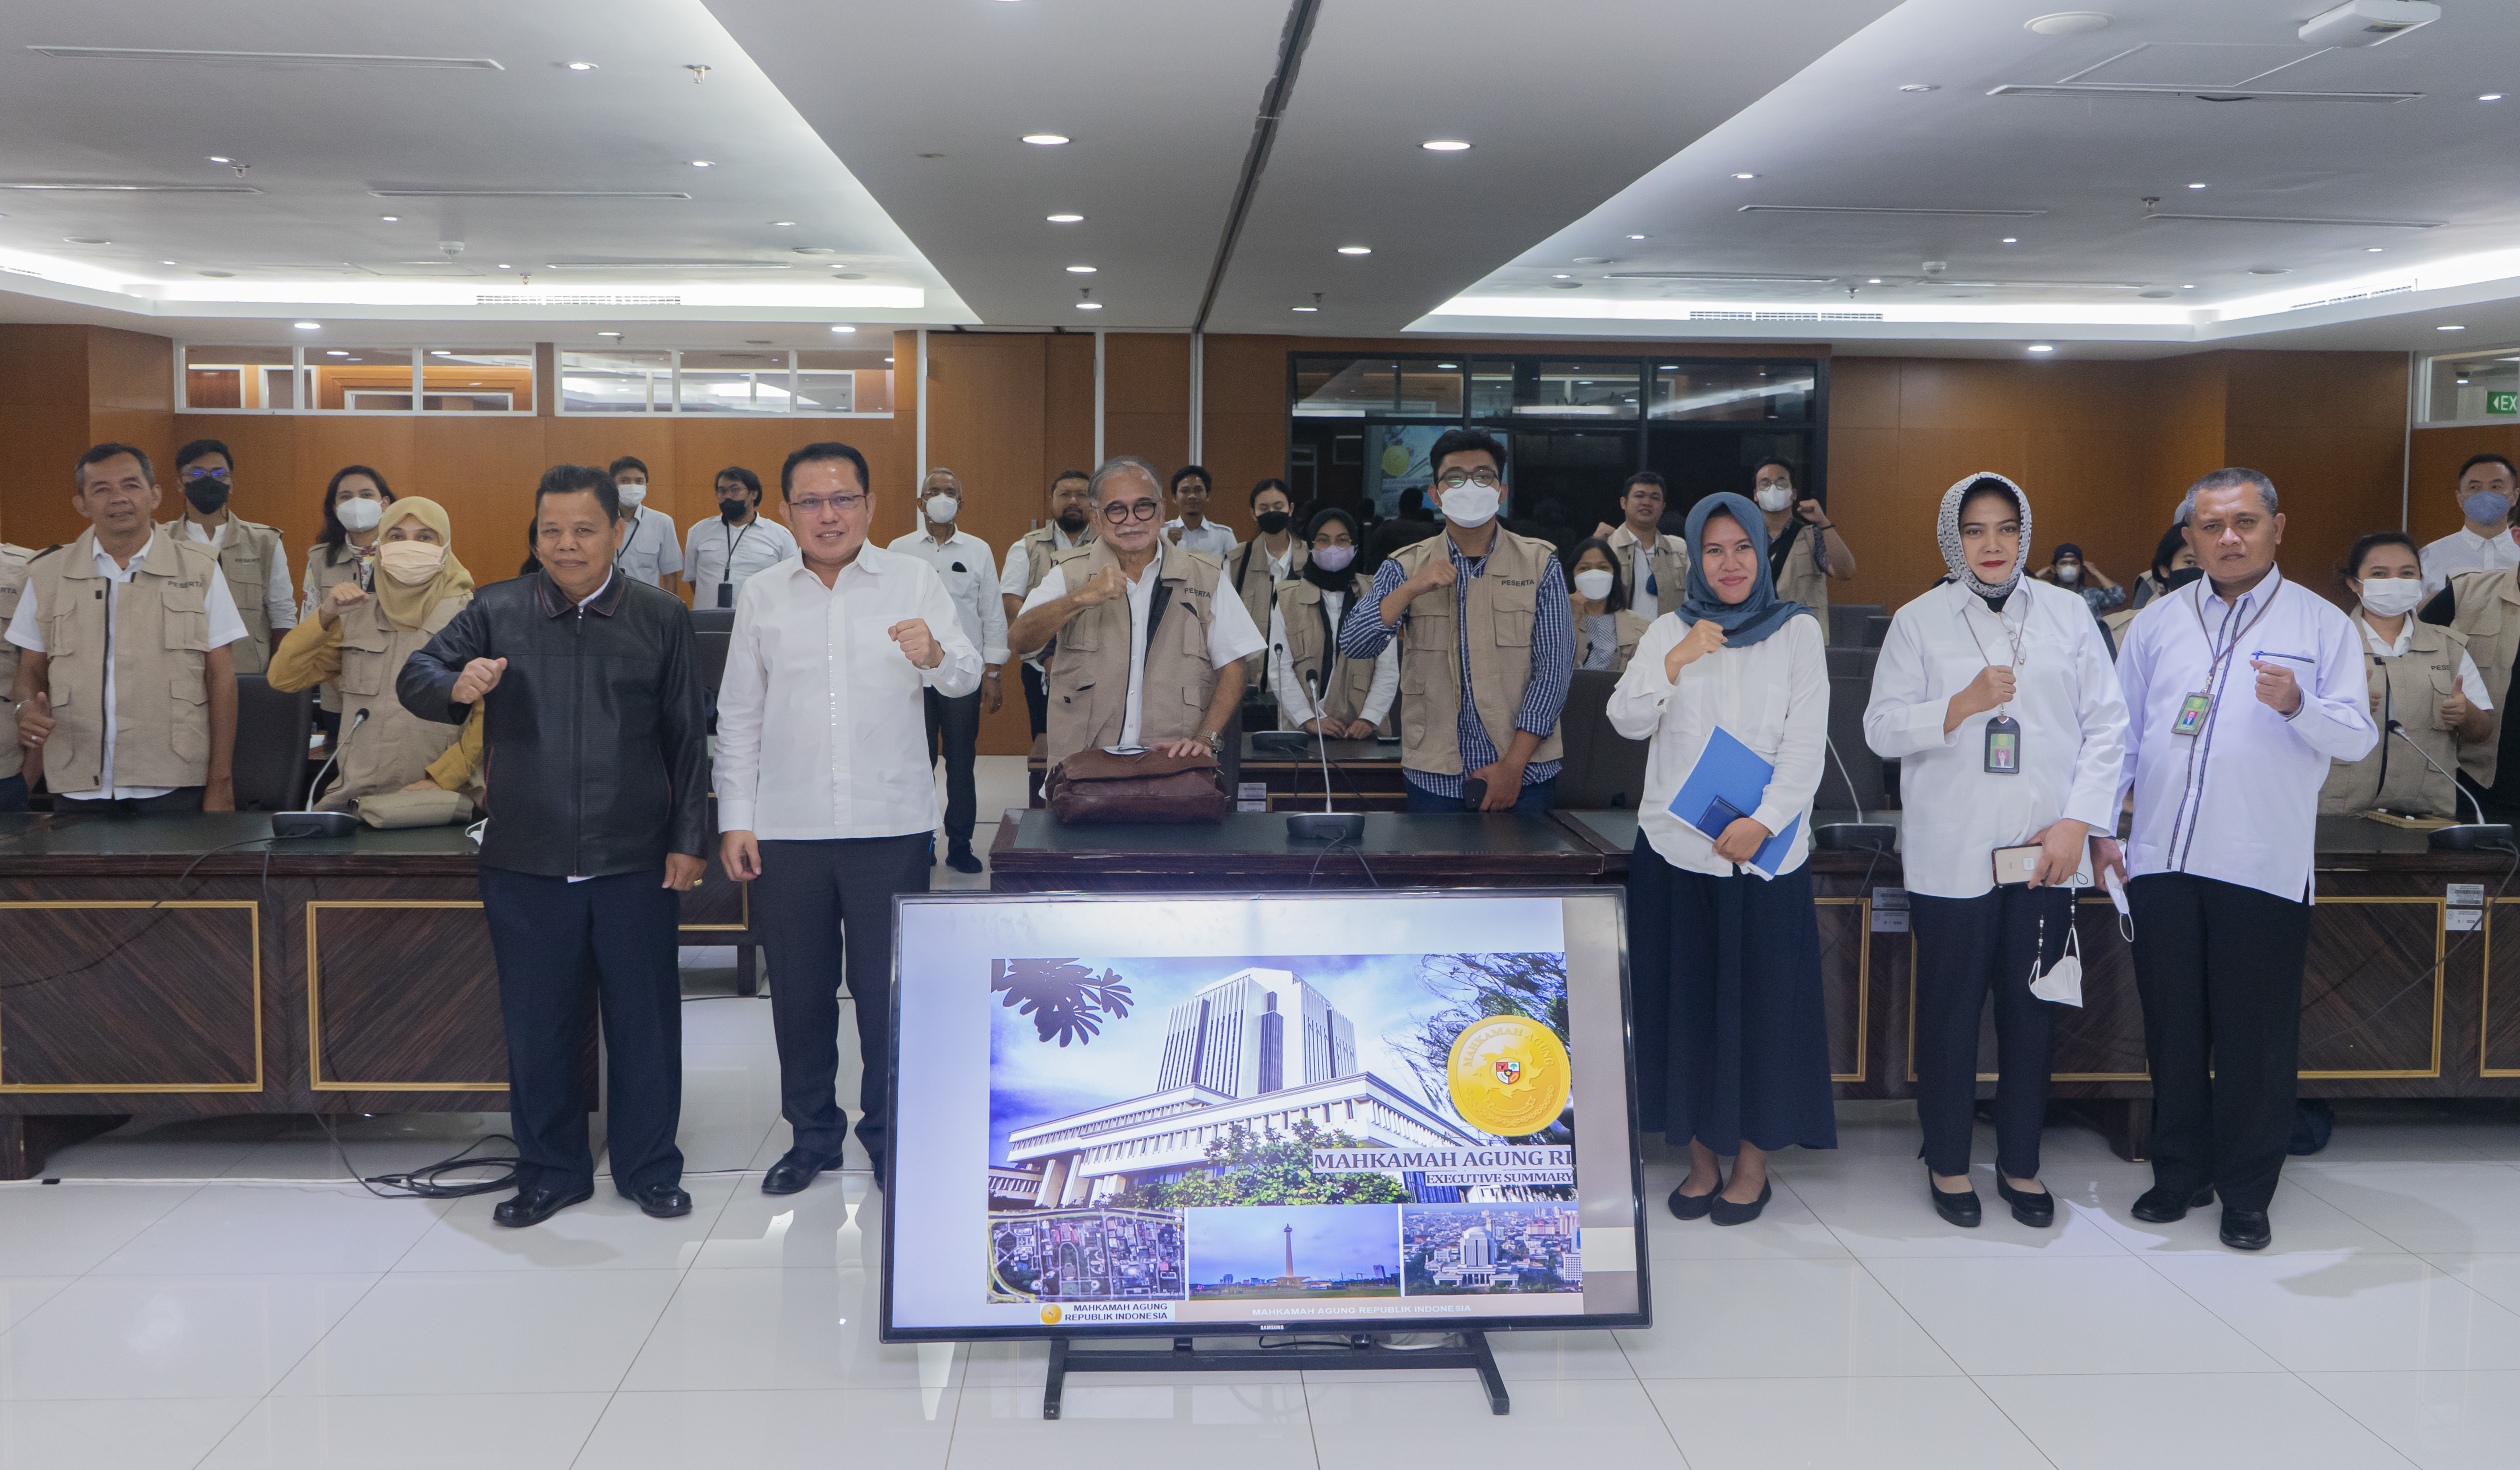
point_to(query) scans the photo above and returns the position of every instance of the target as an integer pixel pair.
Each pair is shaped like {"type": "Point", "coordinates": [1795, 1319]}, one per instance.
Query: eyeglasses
{"type": "Point", "coordinates": [1455, 480]}
{"type": "Point", "coordinates": [1132, 510]}
{"type": "Point", "coordinates": [816, 505]}
{"type": "Point", "coordinates": [220, 476]}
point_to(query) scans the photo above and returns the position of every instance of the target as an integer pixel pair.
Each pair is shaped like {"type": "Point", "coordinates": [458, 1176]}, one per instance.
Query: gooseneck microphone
{"type": "Point", "coordinates": [2466, 837]}
{"type": "Point", "coordinates": [1857, 835]}
{"type": "Point", "coordinates": [1328, 825]}
{"type": "Point", "coordinates": [313, 823]}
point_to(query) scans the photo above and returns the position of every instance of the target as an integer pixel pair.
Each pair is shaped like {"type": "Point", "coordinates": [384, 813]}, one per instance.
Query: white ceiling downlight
{"type": "Point", "coordinates": [1439, 146]}
{"type": "Point", "coordinates": [2068, 23]}
{"type": "Point", "coordinates": [1356, 250]}
{"type": "Point", "coordinates": [1046, 140]}
{"type": "Point", "coordinates": [1064, 219]}
{"type": "Point", "coordinates": [262, 57]}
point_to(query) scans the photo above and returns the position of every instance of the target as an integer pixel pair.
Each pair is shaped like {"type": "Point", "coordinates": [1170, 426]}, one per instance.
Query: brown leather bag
{"type": "Point", "coordinates": [1094, 786]}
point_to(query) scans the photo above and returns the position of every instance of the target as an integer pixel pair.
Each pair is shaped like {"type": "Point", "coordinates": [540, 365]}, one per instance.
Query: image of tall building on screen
{"type": "Point", "coordinates": [1258, 1047]}
{"type": "Point", "coordinates": [1484, 1247]}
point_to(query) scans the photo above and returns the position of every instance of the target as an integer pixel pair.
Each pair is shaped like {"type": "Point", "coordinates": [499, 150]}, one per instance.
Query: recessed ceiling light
{"type": "Point", "coordinates": [1089, 306]}
{"type": "Point", "coordinates": [1449, 366]}
{"type": "Point", "coordinates": [1439, 146]}
{"type": "Point", "coordinates": [783, 224]}
{"type": "Point", "coordinates": [703, 164]}
{"type": "Point", "coordinates": [1356, 250]}
{"type": "Point", "coordinates": [887, 359]}
{"type": "Point", "coordinates": [2011, 239]}
{"type": "Point", "coordinates": [1746, 176]}
{"type": "Point", "coordinates": [392, 219]}
{"type": "Point", "coordinates": [2195, 186]}
{"type": "Point", "coordinates": [581, 66]}
{"type": "Point", "coordinates": [1064, 219]}
{"type": "Point", "coordinates": [170, 262]}
{"type": "Point", "coordinates": [1635, 237]}
{"type": "Point", "coordinates": [2371, 249]}
{"type": "Point", "coordinates": [2067, 22]}
{"type": "Point", "coordinates": [439, 352]}
{"type": "Point", "coordinates": [2041, 347]}
{"type": "Point", "coordinates": [608, 334]}
{"type": "Point", "coordinates": [2453, 327]}
{"type": "Point", "coordinates": [502, 265]}
{"type": "Point", "coordinates": [1081, 270]}
{"type": "Point", "coordinates": [336, 352]}
{"type": "Point", "coordinates": [1667, 368]}
{"type": "Point", "coordinates": [221, 158]}
{"type": "Point", "coordinates": [1307, 309]}
{"type": "Point", "coordinates": [1920, 86]}
{"type": "Point", "coordinates": [306, 326]}
{"type": "Point", "coordinates": [2190, 286]}
{"type": "Point", "coordinates": [1045, 140]}
{"type": "Point", "coordinates": [85, 239]}
{"type": "Point", "coordinates": [2488, 96]}
{"type": "Point", "coordinates": [1561, 278]}
{"type": "Point", "coordinates": [1873, 280]}
{"type": "Point", "coordinates": [844, 330]}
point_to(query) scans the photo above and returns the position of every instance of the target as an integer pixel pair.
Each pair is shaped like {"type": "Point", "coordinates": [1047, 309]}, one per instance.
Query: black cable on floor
{"type": "Point", "coordinates": [423, 1182]}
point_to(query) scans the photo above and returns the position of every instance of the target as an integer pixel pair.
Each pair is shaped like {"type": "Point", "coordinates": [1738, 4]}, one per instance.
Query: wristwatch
{"type": "Point", "coordinates": [1215, 742]}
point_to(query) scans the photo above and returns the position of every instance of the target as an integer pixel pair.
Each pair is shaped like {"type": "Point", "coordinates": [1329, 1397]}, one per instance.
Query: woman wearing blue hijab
{"type": "Point", "coordinates": [1731, 1044]}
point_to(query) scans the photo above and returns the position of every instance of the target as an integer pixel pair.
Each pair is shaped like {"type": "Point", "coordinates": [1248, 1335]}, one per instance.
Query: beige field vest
{"type": "Point", "coordinates": [13, 583]}
{"type": "Point", "coordinates": [323, 574]}
{"type": "Point", "coordinates": [1246, 566]}
{"type": "Point", "coordinates": [2412, 687]}
{"type": "Point", "coordinates": [1499, 605]}
{"type": "Point", "coordinates": [1631, 631]}
{"type": "Point", "coordinates": [161, 645]}
{"type": "Point", "coordinates": [1803, 581]}
{"type": "Point", "coordinates": [1669, 565]}
{"type": "Point", "coordinates": [1351, 680]}
{"type": "Point", "coordinates": [1040, 547]}
{"type": "Point", "coordinates": [395, 746]}
{"type": "Point", "coordinates": [246, 553]}
{"type": "Point", "coordinates": [2489, 614]}
{"type": "Point", "coordinates": [1089, 680]}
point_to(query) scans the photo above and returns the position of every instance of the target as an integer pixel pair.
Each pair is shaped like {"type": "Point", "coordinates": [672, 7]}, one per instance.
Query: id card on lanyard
{"type": "Point", "coordinates": [2198, 707]}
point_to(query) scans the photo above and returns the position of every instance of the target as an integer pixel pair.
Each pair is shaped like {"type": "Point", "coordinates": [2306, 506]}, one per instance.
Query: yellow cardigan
{"type": "Point", "coordinates": [311, 653]}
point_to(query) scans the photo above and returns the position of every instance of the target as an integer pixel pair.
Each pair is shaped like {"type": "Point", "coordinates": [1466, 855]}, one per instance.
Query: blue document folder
{"type": "Point", "coordinates": [1727, 784]}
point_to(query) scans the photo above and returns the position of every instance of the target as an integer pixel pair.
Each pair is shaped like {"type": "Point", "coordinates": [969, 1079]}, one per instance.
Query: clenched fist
{"type": "Point", "coordinates": [479, 676]}
{"type": "Point", "coordinates": [918, 645]}
{"type": "Point", "coordinates": [1434, 574]}
{"type": "Point", "coordinates": [1104, 585]}
{"type": "Point", "coordinates": [1703, 638]}
{"type": "Point", "coordinates": [343, 597]}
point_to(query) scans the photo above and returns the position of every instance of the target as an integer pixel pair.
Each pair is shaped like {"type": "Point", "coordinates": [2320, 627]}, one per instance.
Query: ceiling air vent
{"type": "Point", "coordinates": [487, 300]}
{"type": "Point", "coordinates": [1722, 316]}
{"type": "Point", "coordinates": [2303, 219]}
{"type": "Point", "coordinates": [2198, 93]}
{"type": "Point", "coordinates": [1886, 209]}
{"type": "Point", "coordinates": [1720, 277]}
{"type": "Point", "coordinates": [2359, 295]}
{"type": "Point", "coordinates": [136, 187]}
{"type": "Point", "coordinates": [526, 194]}
{"type": "Point", "coordinates": [1850, 316]}
{"type": "Point", "coordinates": [262, 57]}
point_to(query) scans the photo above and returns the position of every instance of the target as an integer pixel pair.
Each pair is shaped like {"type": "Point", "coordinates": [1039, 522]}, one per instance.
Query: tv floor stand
{"type": "Point", "coordinates": [1360, 1351]}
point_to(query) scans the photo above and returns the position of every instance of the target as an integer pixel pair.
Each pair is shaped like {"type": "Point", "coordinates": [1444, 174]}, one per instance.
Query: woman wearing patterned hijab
{"type": "Point", "coordinates": [1995, 696]}
{"type": "Point", "coordinates": [1722, 941]}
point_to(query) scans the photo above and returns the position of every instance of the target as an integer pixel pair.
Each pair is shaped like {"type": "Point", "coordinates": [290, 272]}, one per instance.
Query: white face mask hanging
{"type": "Point", "coordinates": [2063, 982]}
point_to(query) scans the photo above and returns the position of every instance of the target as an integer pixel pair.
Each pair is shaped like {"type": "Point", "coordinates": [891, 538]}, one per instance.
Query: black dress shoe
{"type": "Point", "coordinates": [2246, 1229]}
{"type": "Point", "coordinates": [1963, 1209]}
{"type": "Point", "coordinates": [795, 1169]}
{"type": "Point", "coordinates": [663, 1201]}
{"type": "Point", "coordinates": [533, 1205]}
{"type": "Point", "coordinates": [959, 859]}
{"type": "Point", "coordinates": [1728, 1212]}
{"type": "Point", "coordinates": [1694, 1206]}
{"type": "Point", "coordinates": [2160, 1206]}
{"type": "Point", "coordinates": [2037, 1211]}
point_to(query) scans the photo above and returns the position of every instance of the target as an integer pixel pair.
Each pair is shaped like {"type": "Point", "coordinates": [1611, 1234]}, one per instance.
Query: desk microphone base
{"type": "Point", "coordinates": [2471, 837]}
{"type": "Point", "coordinates": [1856, 836]}
{"type": "Point", "coordinates": [313, 823]}
{"type": "Point", "coordinates": [1324, 827]}
{"type": "Point", "coordinates": [1358, 1352]}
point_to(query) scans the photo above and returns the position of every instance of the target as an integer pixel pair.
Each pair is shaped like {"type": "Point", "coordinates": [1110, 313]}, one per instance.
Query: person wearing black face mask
{"type": "Point", "coordinates": [719, 554]}
{"type": "Point", "coordinates": [1028, 559]}
{"type": "Point", "coordinates": [1269, 558]}
{"type": "Point", "coordinates": [251, 555]}
{"type": "Point", "coordinates": [1355, 694]}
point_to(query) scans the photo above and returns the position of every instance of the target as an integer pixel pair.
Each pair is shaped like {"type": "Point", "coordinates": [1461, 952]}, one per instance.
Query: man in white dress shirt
{"type": "Point", "coordinates": [2484, 541]}
{"type": "Point", "coordinates": [719, 554]}
{"type": "Point", "coordinates": [964, 564]}
{"type": "Point", "coordinates": [824, 788]}
{"type": "Point", "coordinates": [2241, 688]}
{"type": "Point", "coordinates": [647, 550]}
{"type": "Point", "coordinates": [1190, 525]}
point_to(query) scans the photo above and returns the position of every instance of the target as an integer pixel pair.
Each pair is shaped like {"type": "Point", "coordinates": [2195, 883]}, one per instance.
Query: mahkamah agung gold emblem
{"type": "Point", "coordinates": [1509, 1076]}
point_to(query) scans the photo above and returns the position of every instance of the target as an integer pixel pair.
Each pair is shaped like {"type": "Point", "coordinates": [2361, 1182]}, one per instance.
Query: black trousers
{"type": "Point", "coordinates": [956, 724]}
{"type": "Point", "coordinates": [827, 917]}
{"type": "Point", "coordinates": [1037, 699]}
{"type": "Point", "coordinates": [611, 940]}
{"type": "Point", "coordinates": [2217, 966]}
{"type": "Point", "coordinates": [1964, 949]}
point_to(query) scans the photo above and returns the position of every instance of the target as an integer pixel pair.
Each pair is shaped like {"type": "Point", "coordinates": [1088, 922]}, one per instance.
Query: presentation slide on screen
{"type": "Point", "coordinates": [1140, 1111]}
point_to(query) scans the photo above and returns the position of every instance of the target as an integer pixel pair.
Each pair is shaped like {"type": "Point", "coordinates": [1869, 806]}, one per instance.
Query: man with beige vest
{"type": "Point", "coordinates": [1489, 644]}
{"type": "Point", "coordinates": [2485, 605]}
{"type": "Point", "coordinates": [251, 557]}
{"type": "Point", "coordinates": [13, 758]}
{"type": "Point", "coordinates": [1148, 653]}
{"type": "Point", "coordinates": [125, 695]}
{"type": "Point", "coordinates": [1653, 568]}
{"type": "Point", "coordinates": [1071, 525]}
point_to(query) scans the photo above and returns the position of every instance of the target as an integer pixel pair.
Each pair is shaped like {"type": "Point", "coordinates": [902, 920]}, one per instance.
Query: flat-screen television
{"type": "Point", "coordinates": [1167, 1114]}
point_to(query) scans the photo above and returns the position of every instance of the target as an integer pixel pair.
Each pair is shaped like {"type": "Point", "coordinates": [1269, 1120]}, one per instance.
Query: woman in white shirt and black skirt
{"type": "Point", "coordinates": [1731, 1044]}
{"type": "Point", "coordinates": [1996, 694]}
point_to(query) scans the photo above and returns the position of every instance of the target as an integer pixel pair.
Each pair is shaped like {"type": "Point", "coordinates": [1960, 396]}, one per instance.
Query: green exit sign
{"type": "Point", "coordinates": [2502, 403]}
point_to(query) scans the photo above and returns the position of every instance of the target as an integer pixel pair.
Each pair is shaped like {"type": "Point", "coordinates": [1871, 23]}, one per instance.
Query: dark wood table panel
{"type": "Point", "coordinates": [403, 996]}
{"type": "Point", "coordinates": [77, 965]}
{"type": "Point", "coordinates": [1034, 854]}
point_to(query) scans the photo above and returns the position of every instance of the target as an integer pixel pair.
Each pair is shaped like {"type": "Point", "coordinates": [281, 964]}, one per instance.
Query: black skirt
{"type": "Point", "coordinates": [1731, 1042]}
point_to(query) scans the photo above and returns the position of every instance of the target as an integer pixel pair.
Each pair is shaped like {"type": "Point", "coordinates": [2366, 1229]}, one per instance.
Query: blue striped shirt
{"type": "Point", "coordinates": [1552, 662]}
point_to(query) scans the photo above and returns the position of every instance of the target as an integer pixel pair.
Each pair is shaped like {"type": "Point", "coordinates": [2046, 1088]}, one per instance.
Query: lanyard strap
{"type": "Point", "coordinates": [2196, 603]}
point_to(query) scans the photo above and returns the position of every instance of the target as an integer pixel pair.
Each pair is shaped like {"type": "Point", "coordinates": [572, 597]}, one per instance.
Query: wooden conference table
{"type": "Point", "coordinates": [332, 975]}
{"type": "Point", "coordinates": [1363, 776]}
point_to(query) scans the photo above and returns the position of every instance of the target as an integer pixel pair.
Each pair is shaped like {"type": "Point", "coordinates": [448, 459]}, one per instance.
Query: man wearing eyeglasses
{"type": "Point", "coordinates": [1489, 647]}
{"type": "Point", "coordinates": [1148, 654]}
{"type": "Point", "coordinates": [251, 557]}
{"type": "Point", "coordinates": [825, 794]}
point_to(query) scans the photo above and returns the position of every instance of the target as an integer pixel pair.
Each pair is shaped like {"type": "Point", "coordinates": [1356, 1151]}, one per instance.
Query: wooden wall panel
{"type": "Point", "coordinates": [44, 421]}
{"type": "Point", "coordinates": [1146, 397]}
{"type": "Point", "coordinates": [2329, 429]}
{"type": "Point", "coordinates": [482, 470]}
{"type": "Point", "coordinates": [1243, 422]}
{"type": "Point", "coordinates": [1067, 411]}
{"type": "Point", "coordinates": [988, 422]}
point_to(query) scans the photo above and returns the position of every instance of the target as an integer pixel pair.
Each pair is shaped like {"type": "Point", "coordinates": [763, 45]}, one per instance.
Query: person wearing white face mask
{"type": "Point", "coordinates": [1805, 552]}
{"type": "Point", "coordinates": [648, 551]}
{"type": "Point", "coordinates": [2485, 540]}
{"type": "Point", "coordinates": [354, 504]}
{"type": "Point", "coordinates": [2067, 569]}
{"type": "Point", "coordinates": [359, 640]}
{"type": "Point", "coordinates": [1317, 688]}
{"type": "Point", "coordinates": [969, 572]}
{"type": "Point", "coordinates": [2424, 682]}
{"type": "Point", "coordinates": [1607, 632]}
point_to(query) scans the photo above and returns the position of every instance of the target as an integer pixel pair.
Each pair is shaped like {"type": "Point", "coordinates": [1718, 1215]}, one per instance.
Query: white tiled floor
{"type": "Point", "coordinates": [189, 1317]}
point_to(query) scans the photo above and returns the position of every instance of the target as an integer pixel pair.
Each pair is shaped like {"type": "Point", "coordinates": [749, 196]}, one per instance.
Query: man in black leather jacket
{"type": "Point", "coordinates": [595, 757]}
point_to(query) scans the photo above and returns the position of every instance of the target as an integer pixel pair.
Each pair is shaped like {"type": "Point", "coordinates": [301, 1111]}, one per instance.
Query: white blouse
{"type": "Point", "coordinates": [1771, 696]}
{"type": "Point", "coordinates": [1953, 813]}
